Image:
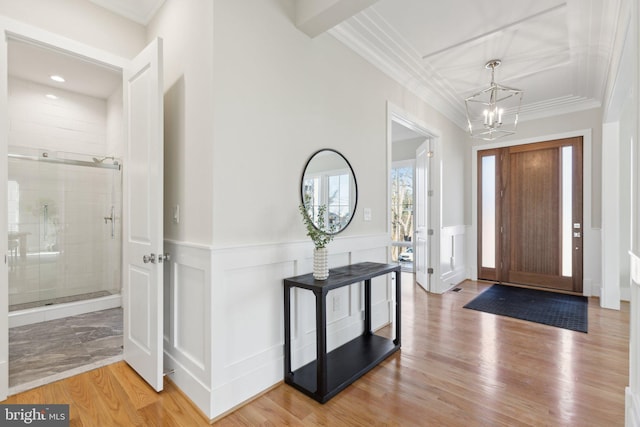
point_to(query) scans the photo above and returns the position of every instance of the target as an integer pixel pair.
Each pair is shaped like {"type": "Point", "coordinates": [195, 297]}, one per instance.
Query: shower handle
{"type": "Point", "coordinates": [112, 219]}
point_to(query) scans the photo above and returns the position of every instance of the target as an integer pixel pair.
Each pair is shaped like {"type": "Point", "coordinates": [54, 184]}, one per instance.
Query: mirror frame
{"type": "Point", "coordinates": [355, 186]}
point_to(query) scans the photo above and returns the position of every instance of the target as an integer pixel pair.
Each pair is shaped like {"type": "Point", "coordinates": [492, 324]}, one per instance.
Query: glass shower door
{"type": "Point", "coordinates": [64, 237]}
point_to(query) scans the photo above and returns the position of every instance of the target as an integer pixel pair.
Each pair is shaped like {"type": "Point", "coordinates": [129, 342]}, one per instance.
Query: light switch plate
{"type": "Point", "coordinates": [367, 214]}
{"type": "Point", "coordinates": [176, 214]}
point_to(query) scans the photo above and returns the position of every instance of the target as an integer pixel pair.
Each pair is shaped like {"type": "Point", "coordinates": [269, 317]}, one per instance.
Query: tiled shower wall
{"type": "Point", "coordinates": [59, 242]}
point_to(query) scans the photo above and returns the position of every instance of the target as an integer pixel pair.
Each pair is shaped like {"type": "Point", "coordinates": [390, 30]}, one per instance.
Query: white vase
{"type": "Point", "coordinates": [320, 264]}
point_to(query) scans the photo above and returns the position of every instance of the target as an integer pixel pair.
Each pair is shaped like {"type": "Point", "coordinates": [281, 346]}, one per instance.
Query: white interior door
{"type": "Point", "coordinates": [142, 215]}
{"type": "Point", "coordinates": [421, 257]}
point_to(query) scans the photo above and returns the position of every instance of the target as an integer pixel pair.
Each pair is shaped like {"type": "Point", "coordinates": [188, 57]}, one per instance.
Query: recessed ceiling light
{"type": "Point", "coordinates": [51, 96]}
{"type": "Point", "coordinates": [57, 78]}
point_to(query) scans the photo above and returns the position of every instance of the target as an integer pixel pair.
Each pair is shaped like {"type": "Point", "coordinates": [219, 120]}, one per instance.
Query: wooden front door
{"type": "Point", "coordinates": [537, 214]}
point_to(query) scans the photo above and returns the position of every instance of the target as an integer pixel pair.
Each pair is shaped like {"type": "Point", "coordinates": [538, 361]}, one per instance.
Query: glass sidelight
{"type": "Point", "coordinates": [567, 211]}
{"type": "Point", "coordinates": [488, 212]}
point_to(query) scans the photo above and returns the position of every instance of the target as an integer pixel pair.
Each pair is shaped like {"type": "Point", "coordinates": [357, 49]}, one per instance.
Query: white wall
{"type": "Point", "coordinates": [186, 30]}
{"type": "Point", "coordinates": [278, 97]}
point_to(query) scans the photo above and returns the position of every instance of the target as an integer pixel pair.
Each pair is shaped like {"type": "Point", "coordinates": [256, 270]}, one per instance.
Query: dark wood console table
{"type": "Point", "coordinates": [330, 373]}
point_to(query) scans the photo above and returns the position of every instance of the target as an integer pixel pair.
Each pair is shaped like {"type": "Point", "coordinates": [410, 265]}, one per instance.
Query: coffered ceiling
{"type": "Point", "coordinates": [558, 52]}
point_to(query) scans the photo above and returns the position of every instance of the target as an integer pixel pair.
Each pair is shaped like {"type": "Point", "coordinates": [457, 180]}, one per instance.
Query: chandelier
{"type": "Point", "coordinates": [493, 112]}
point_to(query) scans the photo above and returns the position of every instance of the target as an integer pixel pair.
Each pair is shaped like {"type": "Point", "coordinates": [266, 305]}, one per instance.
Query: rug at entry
{"type": "Point", "coordinates": [549, 308]}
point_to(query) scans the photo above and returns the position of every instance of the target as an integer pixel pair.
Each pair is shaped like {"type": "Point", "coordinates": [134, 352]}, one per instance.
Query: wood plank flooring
{"type": "Point", "coordinates": [457, 367]}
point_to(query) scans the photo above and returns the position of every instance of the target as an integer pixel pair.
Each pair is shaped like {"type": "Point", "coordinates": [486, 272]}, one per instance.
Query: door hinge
{"type": "Point", "coordinates": [430, 193]}
{"type": "Point", "coordinates": [430, 270]}
{"type": "Point", "coordinates": [430, 232]}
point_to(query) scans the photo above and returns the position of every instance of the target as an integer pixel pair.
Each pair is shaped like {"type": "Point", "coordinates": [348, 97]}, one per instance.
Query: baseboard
{"type": "Point", "coordinates": [452, 279]}
{"type": "Point", "coordinates": [632, 409]}
{"type": "Point", "coordinates": [188, 384]}
{"type": "Point", "coordinates": [246, 388]}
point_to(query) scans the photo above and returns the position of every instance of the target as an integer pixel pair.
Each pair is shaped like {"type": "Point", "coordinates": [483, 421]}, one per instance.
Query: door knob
{"type": "Point", "coordinates": [165, 257]}
{"type": "Point", "coordinates": [149, 258]}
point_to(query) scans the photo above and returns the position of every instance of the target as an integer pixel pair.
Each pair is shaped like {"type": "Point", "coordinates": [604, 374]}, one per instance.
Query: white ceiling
{"type": "Point", "coordinates": [36, 63]}
{"type": "Point", "coordinates": [140, 11]}
{"type": "Point", "coordinates": [558, 52]}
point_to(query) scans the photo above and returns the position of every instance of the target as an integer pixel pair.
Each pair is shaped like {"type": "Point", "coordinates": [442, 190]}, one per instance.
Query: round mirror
{"type": "Point", "coordinates": [328, 180]}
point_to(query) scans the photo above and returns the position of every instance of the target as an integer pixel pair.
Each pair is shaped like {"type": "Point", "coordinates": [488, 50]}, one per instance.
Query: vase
{"type": "Point", "coordinates": [320, 264]}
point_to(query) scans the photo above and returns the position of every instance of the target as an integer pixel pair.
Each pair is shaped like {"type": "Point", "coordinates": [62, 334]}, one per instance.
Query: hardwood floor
{"type": "Point", "coordinates": [457, 367]}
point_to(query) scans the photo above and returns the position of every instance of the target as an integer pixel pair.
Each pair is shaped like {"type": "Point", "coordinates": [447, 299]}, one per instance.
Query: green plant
{"type": "Point", "coordinates": [317, 231]}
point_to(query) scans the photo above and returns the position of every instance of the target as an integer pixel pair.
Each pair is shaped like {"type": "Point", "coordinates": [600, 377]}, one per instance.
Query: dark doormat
{"type": "Point", "coordinates": [549, 308]}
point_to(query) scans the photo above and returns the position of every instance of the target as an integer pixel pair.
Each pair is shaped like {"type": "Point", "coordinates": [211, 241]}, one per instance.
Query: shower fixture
{"type": "Point", "coordinates": [96, 160]}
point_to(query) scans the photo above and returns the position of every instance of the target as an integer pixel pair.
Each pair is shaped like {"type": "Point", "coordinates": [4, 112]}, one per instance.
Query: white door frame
{"type": "Point", "coordinates": [16, 30]}
{"type": "Point", "coordinates": [400, 116]}
{"type": "Point", "coordinates": [422, 239]}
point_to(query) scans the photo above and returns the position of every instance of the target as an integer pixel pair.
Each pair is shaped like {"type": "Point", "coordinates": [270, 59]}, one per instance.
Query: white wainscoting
{"type": "Point", "coordinates": [247, 312]}
{"type": "Point", "coordinates": [224, 324]}
{"type": "Point", "coordinates": [187, 320]}
{"type": "Point", "coordinates": [453, 263]}
{"type": "Point", "coordinates": [632, 410]}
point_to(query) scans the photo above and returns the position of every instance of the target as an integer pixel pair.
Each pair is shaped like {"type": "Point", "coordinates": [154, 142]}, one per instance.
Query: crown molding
{"type": "Point", "coordinates": [557, 107]}
{"type": "Point", "coordinates": [400, 63]}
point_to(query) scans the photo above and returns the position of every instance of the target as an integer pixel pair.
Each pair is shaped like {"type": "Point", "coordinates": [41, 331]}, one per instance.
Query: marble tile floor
{"type": "Point", "coordinates": [49, 351]}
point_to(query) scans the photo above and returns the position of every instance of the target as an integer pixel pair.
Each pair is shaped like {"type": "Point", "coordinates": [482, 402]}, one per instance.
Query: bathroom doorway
{"type": "Point", "coordinates": [134, 125]}
{"type": "Point", "coordinates": [64, 210]}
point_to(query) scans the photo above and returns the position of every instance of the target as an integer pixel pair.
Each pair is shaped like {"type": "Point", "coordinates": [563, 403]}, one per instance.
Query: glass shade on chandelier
{"type": "Point", "coordinates": [493, 112]}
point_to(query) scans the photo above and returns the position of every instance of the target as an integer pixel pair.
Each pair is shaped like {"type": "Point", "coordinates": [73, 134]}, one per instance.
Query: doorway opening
{"type": "Point", "coordinates": [405, 142]}
{"type": "Point", "coordinates": [530, 214]}
{"type": "Point", "coordinates": [413, 199]}
{"type": "Point", "coordinates": [64, 210]}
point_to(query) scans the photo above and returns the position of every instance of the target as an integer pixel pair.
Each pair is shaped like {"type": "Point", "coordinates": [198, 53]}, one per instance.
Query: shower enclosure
{"type": "Point", "coordinates": [64, 231]}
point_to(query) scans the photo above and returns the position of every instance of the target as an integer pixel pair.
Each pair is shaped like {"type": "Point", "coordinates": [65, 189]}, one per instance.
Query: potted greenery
{"type": "Point", "coordinates": [320, 236]}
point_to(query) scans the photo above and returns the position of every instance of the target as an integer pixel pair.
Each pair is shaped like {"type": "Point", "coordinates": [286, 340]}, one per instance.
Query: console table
{"type": "Point", "coordinates": [332, 372]}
